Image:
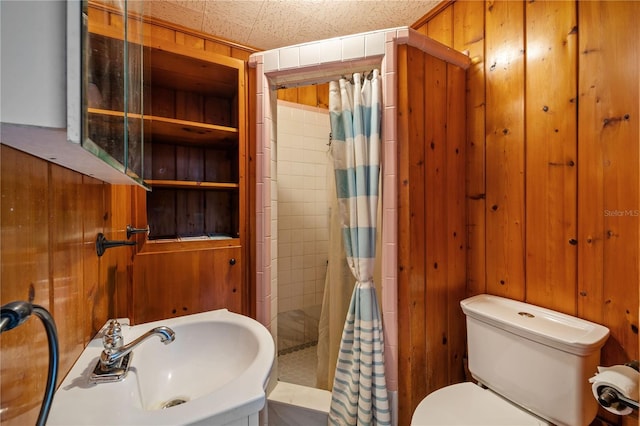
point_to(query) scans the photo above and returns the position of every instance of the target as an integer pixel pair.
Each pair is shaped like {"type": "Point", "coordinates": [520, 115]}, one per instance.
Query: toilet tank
{"type": "Point", "coordinates": [538, 358]}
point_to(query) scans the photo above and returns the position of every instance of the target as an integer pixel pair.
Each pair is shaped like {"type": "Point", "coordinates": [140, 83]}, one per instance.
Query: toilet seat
{"type": "Point", "coordinates": [468, 404]}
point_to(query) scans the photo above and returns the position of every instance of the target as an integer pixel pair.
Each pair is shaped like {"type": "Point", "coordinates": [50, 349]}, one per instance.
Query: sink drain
{"type": "Point", "coordinates": [173, 403]}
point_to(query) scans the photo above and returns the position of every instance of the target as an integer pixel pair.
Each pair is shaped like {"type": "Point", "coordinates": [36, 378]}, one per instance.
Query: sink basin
{"type": "Point", "coordinates": [177, 371]}
{"type": "Point", "coordinates": [215, 372]}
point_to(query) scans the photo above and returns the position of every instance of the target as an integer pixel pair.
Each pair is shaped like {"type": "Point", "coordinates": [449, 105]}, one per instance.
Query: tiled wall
{"type": "Point", "coordinates": [323, 60]}
{"type": "Point", "coordinates": [302, 230]}
{"type": "Point", "coordinates": [303, 134]}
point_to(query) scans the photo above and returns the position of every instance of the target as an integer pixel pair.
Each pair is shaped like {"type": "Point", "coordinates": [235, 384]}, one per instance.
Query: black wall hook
{"type": "Point", "coordinates": [131, 231]}
{"type": "Point", "coordinates": [102, 244]}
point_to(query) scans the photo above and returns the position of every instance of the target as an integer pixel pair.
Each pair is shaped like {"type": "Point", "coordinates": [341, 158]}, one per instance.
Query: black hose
{"type": "Point", "coordinates": [15, 313]}
{"type": "Point", "coordinates": [52, 337]}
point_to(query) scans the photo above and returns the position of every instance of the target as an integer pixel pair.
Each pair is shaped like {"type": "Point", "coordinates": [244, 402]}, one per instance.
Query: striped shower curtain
{"type": "Point", "coordinates": [359, 395]}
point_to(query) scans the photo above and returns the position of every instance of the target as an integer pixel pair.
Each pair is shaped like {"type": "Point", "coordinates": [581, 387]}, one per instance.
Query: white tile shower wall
{"type": "Point", "coordinates": [303, 134]}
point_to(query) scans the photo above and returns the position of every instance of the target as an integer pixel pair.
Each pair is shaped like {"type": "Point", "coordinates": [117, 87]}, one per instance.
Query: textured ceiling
{"type": "Point", "coordinates": [269, 24]}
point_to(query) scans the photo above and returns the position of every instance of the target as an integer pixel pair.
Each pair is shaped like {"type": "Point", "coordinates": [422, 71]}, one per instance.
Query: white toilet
{"type": "Point", "coordinates": [532, 366]}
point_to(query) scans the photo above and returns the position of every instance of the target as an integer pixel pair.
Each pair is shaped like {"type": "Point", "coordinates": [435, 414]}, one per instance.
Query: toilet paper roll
{"type": "Point", "coordinates": [623, 379]}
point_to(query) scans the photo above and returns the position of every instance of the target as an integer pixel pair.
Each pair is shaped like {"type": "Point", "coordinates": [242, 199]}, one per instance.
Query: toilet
{"type": "Point", "coordinates": [531, 365]}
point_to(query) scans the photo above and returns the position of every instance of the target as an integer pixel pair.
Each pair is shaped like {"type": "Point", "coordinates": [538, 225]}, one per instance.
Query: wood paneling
{"type": "Point", "coordinates": [505, 148]}
{"type": "Point", "coordinates": [468, 34]}
{"type": "Point", "coordinates": [411, 222]}
{"type": "Point", "coordinates": [119, 199]}
{"type": "Point", "coordinates": [66, 254]}
{"type": "Point", "coordinates": [440, 28]}
{"type": "Point", "coordinates": [552, 163]}
{"type": "Point", "coordinates": [251, 298]}
{"type": "Point", "coordinates": [308, 95]}
{"type": "Point", "coordinates": [25, 275]}
{"type": "Point", "coordinates": [551, 154]}
{"type": "Point", "coordinates": [175, 283]}
{"type": "Point", "coordinates": [95, 214]}
{"type": "Point", "coordinates": [316, 95]}
{"type": "Point", "coordinates": [436, 214]}
{"type": "Point", "coordinates": [608, 200]}
{"type": "Point", "coordinates": [456, 222]}
{"type": "Point", "coordinates": [431, 249]}
{"type": "Point", "coordinates": [101, 12]}
{"type": "Point", "coordinates": [49, 223]}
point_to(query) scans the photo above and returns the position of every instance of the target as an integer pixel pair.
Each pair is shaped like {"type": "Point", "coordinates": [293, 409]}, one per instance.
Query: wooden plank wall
{"type": "Point", "coordinates": [552, 161]}
{"type": "Point", "coordinates": [608, 194]}
{"type": "Point", "coordinates": [431, 225]}
{"type": "Point", "coordinates": [48, 226]}
{"type": "Point", "coordinates": [161, 30]}
{"type": "Point", "coordinates": [316, 95]}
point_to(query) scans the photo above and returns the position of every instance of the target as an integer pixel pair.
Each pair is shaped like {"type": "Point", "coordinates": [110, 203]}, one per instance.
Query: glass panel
{"type": "Point", "coordinates": [105, 119]}
{"type": "Point", "coordinates": [112, 101]}
{"type": "Point", "coordinates": [134, 93]}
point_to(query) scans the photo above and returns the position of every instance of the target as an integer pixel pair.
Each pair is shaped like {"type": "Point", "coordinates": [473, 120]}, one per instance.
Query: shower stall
{"type": "Point", "coordinates": [302, 237]}
{"type": "Point", "coordinates": [280, 283]}
{"type": "Point", "coordinates": [314, 283]}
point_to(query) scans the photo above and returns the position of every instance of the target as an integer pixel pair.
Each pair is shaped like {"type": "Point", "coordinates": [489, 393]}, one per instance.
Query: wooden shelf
{"type": "Point", "coordinates": [190, 185]}
{"type": "Point", "coordinates": [181, 72]}
{"type": "Point", "coordinates": [187, 131]}
{"type": "Point", "coordinates": [111, 113]}
{"type": "Point", "coordinates": [178, 245]}
{"type": "Point", "coordinates": [192, 133]}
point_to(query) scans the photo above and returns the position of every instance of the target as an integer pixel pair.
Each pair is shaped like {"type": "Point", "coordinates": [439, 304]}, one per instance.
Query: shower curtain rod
{"type": "Point", "coordinates": [316, 81]}
{"type": "Point", "coordinates": [368, 76]}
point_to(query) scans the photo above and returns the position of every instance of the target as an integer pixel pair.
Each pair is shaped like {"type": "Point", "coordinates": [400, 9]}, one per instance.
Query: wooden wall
{"type": "Point", "coordinates": [431, 224]}
{"type": "Point", "coordinates": [50, 217]}
{"type": "Point", "coordinates": [552, 160]}
{"type": "Point", "coordinates": [103, 14]}
{"type": "Point", "coordinates": [316, 95]}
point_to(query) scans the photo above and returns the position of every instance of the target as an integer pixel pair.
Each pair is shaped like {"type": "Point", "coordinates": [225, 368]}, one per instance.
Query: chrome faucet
{"type": "Point", "coordinates": [112, 354]}
{"type": "Point", "coordinates": [116, 356]}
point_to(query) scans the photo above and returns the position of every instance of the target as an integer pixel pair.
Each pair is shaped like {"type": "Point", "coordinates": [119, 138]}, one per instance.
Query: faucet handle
{"type": "Point", "coordinates": [112, 338]}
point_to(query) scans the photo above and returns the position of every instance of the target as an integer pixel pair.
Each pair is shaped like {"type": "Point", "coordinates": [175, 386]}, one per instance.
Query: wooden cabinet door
{"type": "Point", "coordinates": [221, 280]}
{"type": "Point", "coordinates": [175, 283]}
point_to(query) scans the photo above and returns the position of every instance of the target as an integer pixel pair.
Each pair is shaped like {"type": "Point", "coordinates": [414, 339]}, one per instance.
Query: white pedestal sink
{"type": "Point", "coordinates": [214, 373]}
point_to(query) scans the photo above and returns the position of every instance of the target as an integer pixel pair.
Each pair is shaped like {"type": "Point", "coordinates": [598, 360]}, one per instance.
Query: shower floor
{"type": "Point", "coordinates": [299, 367]}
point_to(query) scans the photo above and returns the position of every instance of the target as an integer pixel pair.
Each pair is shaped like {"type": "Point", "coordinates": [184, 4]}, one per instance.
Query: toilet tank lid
{"type": "Point", "coordinates": [555, 329]}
